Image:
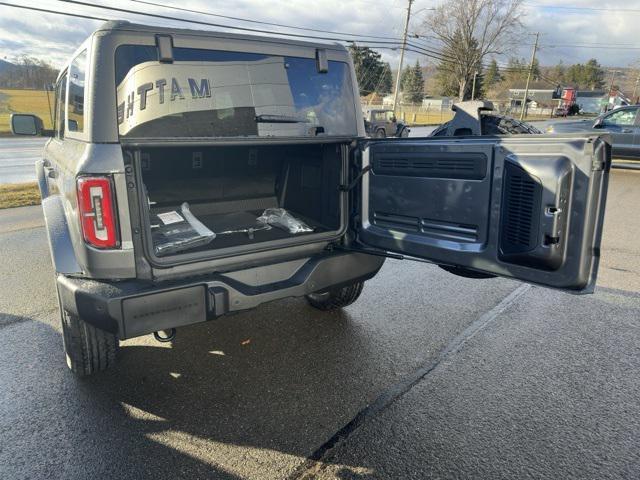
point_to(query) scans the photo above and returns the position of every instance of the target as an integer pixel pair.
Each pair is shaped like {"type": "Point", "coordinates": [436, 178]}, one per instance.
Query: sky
{"type": "Point", "coordinates": [607, 29]}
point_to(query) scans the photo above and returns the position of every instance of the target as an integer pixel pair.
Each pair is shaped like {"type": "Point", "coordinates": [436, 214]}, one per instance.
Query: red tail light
{"type": "Point", "coordinates": [97, 212]}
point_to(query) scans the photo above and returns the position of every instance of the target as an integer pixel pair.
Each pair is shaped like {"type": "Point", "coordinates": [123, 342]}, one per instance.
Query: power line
{"type": "Point", "coordinates": [590, 45]}
{"type": "Point", "coordinates": [373, 43]}
{"type": "Point", "coordinates": [45, 10]}
{"type": "Point", "coordinates": [593, 9]}
{"type": "Point", "coordinates": [219, 25]}
{"type": "Point", "coordinates": [411, 47]}
{"type": "Point", "coordinates": [426, 52]}
{"type": "Point", "coordinates": [211, 14]}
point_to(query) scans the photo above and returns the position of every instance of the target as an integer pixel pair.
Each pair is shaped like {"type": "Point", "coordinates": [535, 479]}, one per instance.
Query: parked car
{"type": "Point", "coordinates": [195, 174]}
{"type": "Point", "coordinates": [383, 123]}
{"type": "Point", "coordinates": [622, 123]}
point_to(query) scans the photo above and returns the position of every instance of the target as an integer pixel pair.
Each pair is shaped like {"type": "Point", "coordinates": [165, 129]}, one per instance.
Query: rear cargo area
{"type": "Point", "coordinates": [227, 189]}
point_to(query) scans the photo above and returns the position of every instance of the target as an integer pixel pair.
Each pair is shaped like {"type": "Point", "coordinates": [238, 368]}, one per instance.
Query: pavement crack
{"type": "Point", "coordinates": [396, 391]}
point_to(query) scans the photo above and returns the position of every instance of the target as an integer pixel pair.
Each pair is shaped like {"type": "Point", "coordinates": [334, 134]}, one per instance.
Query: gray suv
{"type": "Point", "coordinates": [622, 124]}
{"type": "Point", "coordinates": [192, 174]}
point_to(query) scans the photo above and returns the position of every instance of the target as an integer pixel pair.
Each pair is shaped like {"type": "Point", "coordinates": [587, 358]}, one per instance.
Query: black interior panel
{"type": "Point", "coordinates": [227, 188]}
{"type": "Point", "coordinates": [441, 196]}
{"type": "Point", "coordinates": [528, 207]}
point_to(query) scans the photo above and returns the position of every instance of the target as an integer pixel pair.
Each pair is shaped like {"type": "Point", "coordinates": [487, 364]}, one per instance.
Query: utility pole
{"type": "Point", "coordinates": [404, 46]}
{"type": "Point", "coordinates": [526, 88]}
{"type": "Point", "coordinates": [473, 87]}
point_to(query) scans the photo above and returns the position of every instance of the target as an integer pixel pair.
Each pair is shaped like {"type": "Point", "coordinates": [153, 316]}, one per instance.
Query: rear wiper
{"type": "Point", "coordinates": [279, 119]}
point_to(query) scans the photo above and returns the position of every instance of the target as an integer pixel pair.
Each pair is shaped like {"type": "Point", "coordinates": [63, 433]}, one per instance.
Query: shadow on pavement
{"type": "Point", "coordinates": [232, 399]}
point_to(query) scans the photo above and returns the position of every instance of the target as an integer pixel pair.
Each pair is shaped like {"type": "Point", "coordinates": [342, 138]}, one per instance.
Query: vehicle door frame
{"type": "Point", "coordinates": [588, 225]}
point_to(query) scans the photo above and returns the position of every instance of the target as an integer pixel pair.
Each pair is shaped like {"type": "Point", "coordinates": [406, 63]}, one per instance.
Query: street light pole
{"type": "Point", "coordinates": [473, 88]}
{"type": "Point", "coordinates": [526, 88]}
{"type": "Point", "coordinates": [404, 46]}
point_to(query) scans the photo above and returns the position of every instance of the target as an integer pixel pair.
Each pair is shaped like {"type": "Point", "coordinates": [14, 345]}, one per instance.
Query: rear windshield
{"type": "Point", "coordinates": [214, 93]}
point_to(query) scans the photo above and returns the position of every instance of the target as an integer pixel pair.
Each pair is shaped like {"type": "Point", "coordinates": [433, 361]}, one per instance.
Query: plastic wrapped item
{"type": "Point", "coordinates": [176, 232]}
{"type": "Point", "coordinates": [280, 218]}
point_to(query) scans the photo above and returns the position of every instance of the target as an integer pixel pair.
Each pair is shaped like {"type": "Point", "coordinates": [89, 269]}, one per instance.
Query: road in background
{"type": "Point", "coordinates": [446, 377]}
{"type": "Point", "coordinates": [18, 157]}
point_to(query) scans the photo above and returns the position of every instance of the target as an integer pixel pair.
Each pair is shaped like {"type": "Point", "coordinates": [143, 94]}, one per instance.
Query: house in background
{"type": "Point", "coordinates": [536, 94]}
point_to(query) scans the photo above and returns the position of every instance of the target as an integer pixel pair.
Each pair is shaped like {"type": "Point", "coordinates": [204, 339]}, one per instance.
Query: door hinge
{"type": "Point", "coordinates": [346, 188]}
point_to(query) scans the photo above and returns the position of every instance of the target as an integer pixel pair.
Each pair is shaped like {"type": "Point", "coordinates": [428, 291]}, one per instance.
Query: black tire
{"type": "Point", "coordinates": [380, 133]}
{"type": "Point", "coordinates": [336, 298]}
{"type": "Point", "coordinates": [88, 349]}
{"type": "Point", "coordinates": [404, 133]}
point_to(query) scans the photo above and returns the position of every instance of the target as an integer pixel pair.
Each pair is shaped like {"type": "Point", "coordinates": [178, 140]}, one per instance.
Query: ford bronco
{"type": "Point", "coordinates": [191, 174]}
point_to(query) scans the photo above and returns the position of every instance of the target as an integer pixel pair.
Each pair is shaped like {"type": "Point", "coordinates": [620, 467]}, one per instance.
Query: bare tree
{"type": "Point", "coordinates": [28, 72]}
{"type": "Point", "coordinates": [471, 30]}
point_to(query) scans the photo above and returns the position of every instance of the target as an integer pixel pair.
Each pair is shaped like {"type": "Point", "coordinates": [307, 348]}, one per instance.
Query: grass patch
{"type": "Point", "coordinates": [24, 101]}
{"type": "Point", "coordinates": [19, 195]}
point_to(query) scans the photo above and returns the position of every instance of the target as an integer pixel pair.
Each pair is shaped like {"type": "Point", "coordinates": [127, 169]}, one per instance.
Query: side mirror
{"type": "Point", "coordinates": [598, 123]}
{"type": "Point", "coordinates": [26, 124]}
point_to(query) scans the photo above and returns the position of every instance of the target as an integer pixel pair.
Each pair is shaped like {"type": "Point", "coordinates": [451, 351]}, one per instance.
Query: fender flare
{"type": "Point", "coordinates": [63, 255]}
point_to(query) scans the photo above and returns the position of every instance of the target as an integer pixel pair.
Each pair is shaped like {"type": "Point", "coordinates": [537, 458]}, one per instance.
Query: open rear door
{"type": "Point", "coordinates": [525, 207]}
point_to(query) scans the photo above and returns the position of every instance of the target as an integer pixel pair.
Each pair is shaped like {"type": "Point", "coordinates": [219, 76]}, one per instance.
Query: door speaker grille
{"type": "Point", "coordinates": [520, 210]}
{"type": "Point", "coordinates": [472, 166]}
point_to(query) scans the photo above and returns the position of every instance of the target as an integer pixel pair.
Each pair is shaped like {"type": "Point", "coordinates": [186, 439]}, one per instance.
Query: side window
{"type": "Point", "coordinates": [75, 101]}
{"type": "Point", "coordinates": [60, 121]}
{"type": "Point", "coordinates": [621, 118]}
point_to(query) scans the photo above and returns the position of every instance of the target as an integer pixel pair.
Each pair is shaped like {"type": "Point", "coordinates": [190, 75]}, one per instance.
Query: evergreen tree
{"type": "Point", "coordinates": [454, 77]}
{"type": "Point", "coordinates": [492, 74]}
{"type": "Point", "coordinates": [412, 82]}
{"type": "Point", "coordinates": [593, 75]}
{"type": "Point", "coordinates": [385, 83]}
{"type": "Point", "coordinates": [370, 70]}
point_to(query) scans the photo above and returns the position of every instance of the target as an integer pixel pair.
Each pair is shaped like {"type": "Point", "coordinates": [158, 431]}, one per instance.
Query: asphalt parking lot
{"type": "Point", "coordinates": [428, 375]}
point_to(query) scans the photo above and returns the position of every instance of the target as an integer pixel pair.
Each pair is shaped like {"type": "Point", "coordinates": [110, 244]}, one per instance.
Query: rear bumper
{"type": "Point", "coordinates": [134, 308]}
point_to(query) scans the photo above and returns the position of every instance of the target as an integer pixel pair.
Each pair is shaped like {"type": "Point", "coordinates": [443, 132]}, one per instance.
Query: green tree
{"type": "Point", "coordinates": [590, 75]}
{"type": "Point", "coordinates": [372, 73]}
{"type": "Point", "coordinates": [492, 74]}
{"type": "Point", "coordinates": [454, 80]}
{"type": "Point", "coordinates": [593, 75]}
{"type": "Point", "coordinates": [412, 83]}
{"type": "Point", "coordinates": [385, 83]}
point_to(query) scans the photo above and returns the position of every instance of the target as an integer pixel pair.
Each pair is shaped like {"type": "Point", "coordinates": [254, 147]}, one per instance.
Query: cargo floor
{"type": "Point", "coordinates": [233, 229]}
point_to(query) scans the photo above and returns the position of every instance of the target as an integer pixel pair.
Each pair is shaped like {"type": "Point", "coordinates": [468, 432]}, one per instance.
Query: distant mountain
{"type": "Point", "coordinates": [6, 66]}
